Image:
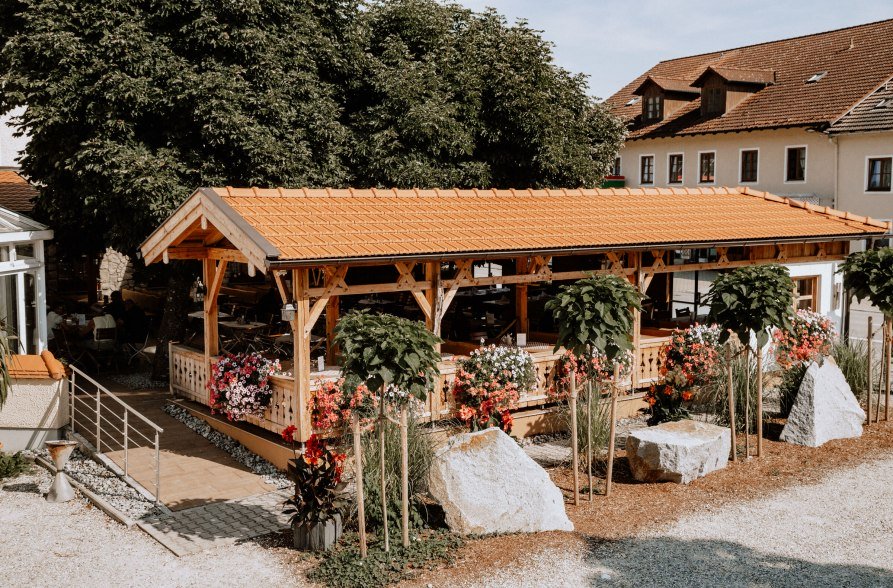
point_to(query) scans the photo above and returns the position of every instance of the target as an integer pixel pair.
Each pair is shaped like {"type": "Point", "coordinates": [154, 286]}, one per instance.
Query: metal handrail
{"type": "Point", "coordinates": [99, 417]}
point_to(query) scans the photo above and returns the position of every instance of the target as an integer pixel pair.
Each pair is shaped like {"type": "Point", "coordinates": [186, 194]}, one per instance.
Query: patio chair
{"type": "Point", "coordinates": [103, 347]}
{"type": "Point", "coordinates": [65, 348]}
{"type": "Point", "coordinates": [140, 350]}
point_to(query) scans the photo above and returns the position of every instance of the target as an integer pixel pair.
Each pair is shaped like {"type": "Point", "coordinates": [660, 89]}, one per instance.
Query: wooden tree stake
{"type": "Point", "coordinates": [887, 329]}
{"type": "Point", "coordinates": [747, 408]}
{"type": "Point", "coordinates": [589, 434]}
{"type": "Point", "coordinates": [404, 452]}
{"type": "Point", "coordinates": [731, 403]}
{"type": "Point", "coordinates": [759, 402]}
{"type": "Point", "coordinates": [358, 464]}
{"type": "Point", "coordinates": [883, 374]}
{"type": "Point", "coordinates": [382, 421]}
{"type": "Point", "coordinates": [868, 388]}
{"type": "Point", "coordinates": [610, 473]}
{"type": "Point", "coordinates": [574, 452]}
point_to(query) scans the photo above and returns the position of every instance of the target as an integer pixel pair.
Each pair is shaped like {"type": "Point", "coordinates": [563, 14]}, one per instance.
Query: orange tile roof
{"type": "Point", "coordinates": [28, 367]}
{"type": "Point", "coordinates": [15, 192]}
{"type": "Point", "coordinates": [329, 224]}
{"type": "Point", "coordinates": [857, 60]}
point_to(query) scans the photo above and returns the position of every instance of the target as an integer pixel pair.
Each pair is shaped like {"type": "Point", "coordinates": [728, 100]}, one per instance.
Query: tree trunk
{"type": "Point", "coordinates": [173, 321]}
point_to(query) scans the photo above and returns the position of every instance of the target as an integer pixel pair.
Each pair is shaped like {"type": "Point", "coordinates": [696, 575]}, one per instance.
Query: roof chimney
{"type": "Point", "coordinates": [852, 43]}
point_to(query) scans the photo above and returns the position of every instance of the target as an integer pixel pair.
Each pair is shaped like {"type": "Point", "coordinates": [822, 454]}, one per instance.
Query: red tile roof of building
{"type": "Point", "coordinates": [16, 193]}
{"type": "Point", "coordinates": [874, 113]}
{"type": "Point", "coordinates": [856, 61]}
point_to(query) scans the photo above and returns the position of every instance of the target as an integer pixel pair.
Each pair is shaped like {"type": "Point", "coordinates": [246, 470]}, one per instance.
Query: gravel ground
{"type": "Point", "coordinates": [106, 484]}
{"type": "Point", "coordinates": [252, 461]}
{"type": "Point", "coordinates": [835, 533]}
{"type": "Point", "coordinates": [47, 544]}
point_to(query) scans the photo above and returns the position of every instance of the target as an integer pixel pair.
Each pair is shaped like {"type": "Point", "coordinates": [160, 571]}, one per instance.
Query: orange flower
{"type": "Point", "coordinates": [686, 396]}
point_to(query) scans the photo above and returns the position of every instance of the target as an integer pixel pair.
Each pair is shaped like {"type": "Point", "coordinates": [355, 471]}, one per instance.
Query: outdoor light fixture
{"type": "Point", "coordinates": [288, 312]}
{"type": "Point", "coordinates": [198, 292]}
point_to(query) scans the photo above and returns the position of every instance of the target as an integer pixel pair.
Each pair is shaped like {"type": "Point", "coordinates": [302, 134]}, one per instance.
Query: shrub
{"type": "Point", "coordinates": [600, 421]}
{"type": "Point", "coordinates": [332, 404]}
{"type": "Point", "coordinates": [594, 366]}
{"type": "Point", "coordinates": [810, 337]}
{"type": "Point", "coordinates": [343, 568]}
{"type": "Point", "coordinates": [488, 384]}
{"type": "Point", "coordinates": [12, 464]}
{"type": "Point", "coordinates": [667, 399]}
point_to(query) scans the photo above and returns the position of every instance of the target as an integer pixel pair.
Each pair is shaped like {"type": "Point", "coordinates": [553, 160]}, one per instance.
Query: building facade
{"type": "Point", "coordinates": [810, 118]}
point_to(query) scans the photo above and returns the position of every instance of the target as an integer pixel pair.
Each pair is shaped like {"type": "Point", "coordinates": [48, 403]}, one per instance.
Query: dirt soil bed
{"type": "Point", "coordinates": [634, 506]}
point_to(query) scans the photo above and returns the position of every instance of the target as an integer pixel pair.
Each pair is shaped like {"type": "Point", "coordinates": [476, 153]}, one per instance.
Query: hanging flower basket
{"type": "Point", "coordinates": [240, 385]}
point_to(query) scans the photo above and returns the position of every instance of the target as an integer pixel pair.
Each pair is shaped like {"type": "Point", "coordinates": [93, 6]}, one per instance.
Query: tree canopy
{"type": "Point", "coordinates": [869, 274]}
{"type": "Point", "coordinates": [132, 104]}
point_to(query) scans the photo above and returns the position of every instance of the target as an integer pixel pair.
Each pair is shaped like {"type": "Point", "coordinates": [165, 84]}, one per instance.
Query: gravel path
{"type": "Point", "coordinates": [73, 544]}
{"type": "Point", "coordinates": [836, 533]}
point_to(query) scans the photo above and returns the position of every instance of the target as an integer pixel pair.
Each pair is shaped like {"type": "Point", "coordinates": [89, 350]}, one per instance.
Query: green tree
{"type": "Point", "coordinates": [869, 274]}
{"type": "Point", "coordinates": [450, 97]}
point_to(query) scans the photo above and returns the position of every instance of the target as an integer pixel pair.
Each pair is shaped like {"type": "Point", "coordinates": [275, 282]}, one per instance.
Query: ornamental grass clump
{"type": "Point", "coordinates": [488, 384]}
{"type": "Point", "coordinates": [239, 385]}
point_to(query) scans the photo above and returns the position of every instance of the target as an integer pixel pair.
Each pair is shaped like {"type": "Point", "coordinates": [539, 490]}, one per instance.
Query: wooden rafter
{"type": "Point", "coordinates": [335, 278]}
{"type": "Point", "coordinates": [463, 271]}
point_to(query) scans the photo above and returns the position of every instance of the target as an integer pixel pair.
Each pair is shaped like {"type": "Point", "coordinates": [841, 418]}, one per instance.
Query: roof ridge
{"type": "Point", "coordinates": [786, 39]}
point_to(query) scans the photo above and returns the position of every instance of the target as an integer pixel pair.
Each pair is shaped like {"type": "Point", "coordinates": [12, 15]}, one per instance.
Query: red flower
{"type": "Point", "coordinates": [288, 434]}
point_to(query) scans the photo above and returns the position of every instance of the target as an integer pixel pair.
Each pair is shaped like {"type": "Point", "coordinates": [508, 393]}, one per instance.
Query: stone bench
{"type": "Point", "coordinates": [678, 451]}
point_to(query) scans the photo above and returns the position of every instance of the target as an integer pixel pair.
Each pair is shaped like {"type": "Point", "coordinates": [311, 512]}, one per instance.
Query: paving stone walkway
{"type": "Point", "coordinates": [198, 529]}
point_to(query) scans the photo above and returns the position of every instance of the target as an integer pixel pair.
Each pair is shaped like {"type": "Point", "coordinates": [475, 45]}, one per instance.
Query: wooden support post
{"type": "Point", "coordinates": [212, 342]}
{"type": "Point", "coordinates": [434, 295]}
{"type": "Point", "coordinates": [523, 322]}
{"type": "Point", "coordinates": [382, 422]}
{"type": "Point", "coordinates": [404, 472]}
{"type": "Point", "coordinates": [759, 402]}
{"type": "Point", "coordinates": [574, 449]}
{"type": "Point", "coordinates": [868, 388]}
{"type": "Point", "coordinates": [358, 465]}
{"type": "Point", "coordinates": [883, 374]}
{"type": "Point", "coordinates": [301, 350]}
{"type": "Point", "coordinates": [731, 403]}
{"type": "Point", "coordinates": [589, 435]}
{"type": "Point", "coordinates": [333, 311]}
{"type": "Point", "coordinates": [612, 435]}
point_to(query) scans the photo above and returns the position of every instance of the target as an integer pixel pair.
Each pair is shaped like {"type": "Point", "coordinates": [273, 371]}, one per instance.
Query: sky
{"type": "Point", "coordinates": [614, 41]}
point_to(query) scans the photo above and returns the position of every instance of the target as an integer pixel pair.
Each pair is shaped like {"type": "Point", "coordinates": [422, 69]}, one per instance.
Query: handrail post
{"type": "Point", "coordinates": [72, 388]}
{"type": "Point", "coordinates": [157, 469]}
{"type": "Point", "coordinates": [98, 406]}
{"type": "Point", "coordinates": [126, 442]}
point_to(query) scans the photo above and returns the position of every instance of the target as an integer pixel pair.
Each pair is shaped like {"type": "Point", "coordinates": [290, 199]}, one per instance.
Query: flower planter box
{"type": "Point", "coordinates": [318, 537]}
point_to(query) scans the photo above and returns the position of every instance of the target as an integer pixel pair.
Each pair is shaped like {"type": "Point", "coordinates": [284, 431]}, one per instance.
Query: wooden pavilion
{"type": "Point", "coordinates": [319, 245]}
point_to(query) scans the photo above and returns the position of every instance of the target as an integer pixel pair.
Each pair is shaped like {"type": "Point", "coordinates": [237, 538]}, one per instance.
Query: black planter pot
{"type": "Point", "coordinates": [319, 537]}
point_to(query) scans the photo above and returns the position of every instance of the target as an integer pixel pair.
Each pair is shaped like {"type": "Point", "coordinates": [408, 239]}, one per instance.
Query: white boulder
{"type": "Point", "coordinates": [678, 451]}
{"type": "Point", "coordinates": [825, 408]}
{"type": "Point", "coordinates": [487, 484]}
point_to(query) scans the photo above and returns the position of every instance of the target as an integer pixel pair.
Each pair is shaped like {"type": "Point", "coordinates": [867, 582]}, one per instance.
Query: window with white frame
{"type": "Point", "coordinates": [674, 169]}
{"type": "Point", "coordinates": [879, 174]}
{"type": "Point", "coordinates": [749, 165]}
{"type": "Point", "coordinates": [616, 169]}
{"type": "Point", "coordinates": [795, 164]}
{"type": "Point", "coordinates": [707, 167]}
{"type": "Point", "coordinates": [646, 169]}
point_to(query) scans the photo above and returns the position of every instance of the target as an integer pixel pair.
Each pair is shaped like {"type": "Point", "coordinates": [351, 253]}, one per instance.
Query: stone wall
{"type": "Point", "coordinates": [115, 272]}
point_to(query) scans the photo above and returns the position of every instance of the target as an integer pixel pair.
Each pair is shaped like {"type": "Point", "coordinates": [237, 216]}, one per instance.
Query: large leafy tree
{"type": "Point", "coordinates": [132, 104]}
{"type": "Point", "coordinates": [450, 97]}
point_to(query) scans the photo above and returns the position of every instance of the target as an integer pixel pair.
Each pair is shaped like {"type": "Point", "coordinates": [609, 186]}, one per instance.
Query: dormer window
{"type": "Point", "coordinates": [714, 100]}
{"type": "Point", "coordinates": [723, 88]}
{"type": "Point", "coordinates": [652, 107]}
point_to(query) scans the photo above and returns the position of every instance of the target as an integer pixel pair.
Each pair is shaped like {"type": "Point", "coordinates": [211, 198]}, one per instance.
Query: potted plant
{"type": "Point", "coordinates": [316, 506]}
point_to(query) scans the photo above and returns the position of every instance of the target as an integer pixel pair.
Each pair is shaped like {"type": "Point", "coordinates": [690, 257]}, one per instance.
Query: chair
{"type": "Point", "coordinates": [140, 350]}
{"type": "Point", "coordinates": [103, 346]}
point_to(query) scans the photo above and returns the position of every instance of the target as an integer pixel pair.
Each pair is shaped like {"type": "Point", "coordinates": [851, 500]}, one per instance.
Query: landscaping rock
{"type": "Point", "coordinates": [487, 484]}
{"type": "Point", "coordinates": [825, 408]}
{"type": "Point", "coordinates": [678, 451]}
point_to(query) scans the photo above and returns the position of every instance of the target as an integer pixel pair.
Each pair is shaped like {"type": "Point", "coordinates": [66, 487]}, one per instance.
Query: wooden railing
{"type": "Point", "coordinates": [189, 376]}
